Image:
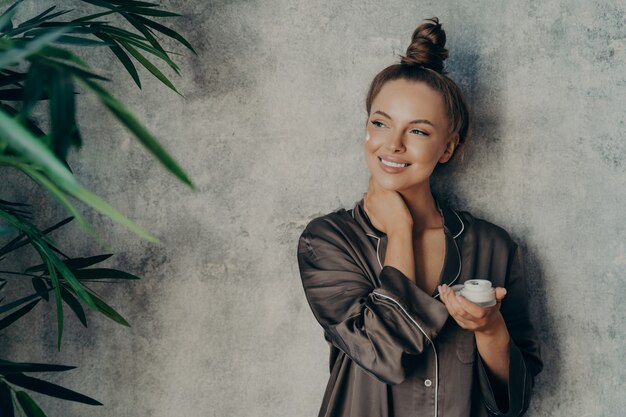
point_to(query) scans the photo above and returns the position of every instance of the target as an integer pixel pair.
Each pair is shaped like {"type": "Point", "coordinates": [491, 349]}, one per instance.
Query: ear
{"type": "Point", "coordinates": [450, 148]}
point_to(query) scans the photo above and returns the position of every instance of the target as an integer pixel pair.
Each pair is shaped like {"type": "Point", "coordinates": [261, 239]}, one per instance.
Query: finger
{"type": "Point", "coordinates": [464, 308]}
{"type": "Point", "coordinates": [444, 294]}
{"type": "Point", "coordinates": [453, 303]}
{"type": "Point", "coordinates": [500, 293]}
{"type": "Point", "coordinates": [473, 311]}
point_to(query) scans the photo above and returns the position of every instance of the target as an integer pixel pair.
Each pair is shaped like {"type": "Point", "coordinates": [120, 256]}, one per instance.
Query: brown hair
{"type": "Point", "coordinates": [424, 62]}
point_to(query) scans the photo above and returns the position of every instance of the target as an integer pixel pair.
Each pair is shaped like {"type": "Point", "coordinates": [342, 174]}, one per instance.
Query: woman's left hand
{"type": "Point", "coordinates": [471, 316]}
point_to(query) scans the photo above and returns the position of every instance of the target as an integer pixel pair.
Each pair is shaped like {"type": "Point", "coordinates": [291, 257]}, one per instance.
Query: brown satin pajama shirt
{"type": "Point", "coordinates": [394, 349]}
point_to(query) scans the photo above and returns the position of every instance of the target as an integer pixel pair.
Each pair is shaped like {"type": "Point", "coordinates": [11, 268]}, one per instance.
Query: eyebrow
{"type": "Point", "coordinates": [411, 122]}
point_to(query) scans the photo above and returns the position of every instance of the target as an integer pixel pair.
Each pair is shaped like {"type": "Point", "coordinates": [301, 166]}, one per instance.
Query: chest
{"type": "Point", "coordinates": [429, 251]}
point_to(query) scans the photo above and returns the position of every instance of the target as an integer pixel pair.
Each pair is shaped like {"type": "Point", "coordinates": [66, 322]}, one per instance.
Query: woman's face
{"type": "Point", "coordinates": [407, 123]}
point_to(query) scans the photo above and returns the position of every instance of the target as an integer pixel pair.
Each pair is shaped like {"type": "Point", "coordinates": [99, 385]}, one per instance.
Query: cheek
{"type": "Point", "coordinates": [372, 142]}
{"type": "Point", "coordinates": [424, 152]}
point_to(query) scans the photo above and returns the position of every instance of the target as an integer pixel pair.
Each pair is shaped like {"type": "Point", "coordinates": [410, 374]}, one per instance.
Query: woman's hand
{"type": "Point", "coordinates": [492, 336]}
{"type": "Point", "coordinates": [386, 209]}
{"type": "Point", "coordinates": [470, 316]}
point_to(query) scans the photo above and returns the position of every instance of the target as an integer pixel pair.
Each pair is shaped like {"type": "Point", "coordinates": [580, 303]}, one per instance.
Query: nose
{"type": "Point", "coordinates": [395, 142]}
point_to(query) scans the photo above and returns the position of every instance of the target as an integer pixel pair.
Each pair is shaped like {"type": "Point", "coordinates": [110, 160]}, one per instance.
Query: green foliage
{"type": "Point", "coordinates": [37, 69]}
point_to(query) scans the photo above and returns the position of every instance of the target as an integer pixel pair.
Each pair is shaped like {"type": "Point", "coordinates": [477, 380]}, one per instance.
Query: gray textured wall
{"type": "Point", "coordinates": [271, 132]}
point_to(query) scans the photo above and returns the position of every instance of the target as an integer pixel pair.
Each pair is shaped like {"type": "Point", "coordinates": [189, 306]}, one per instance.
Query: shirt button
{"type": "Point", "coordinates": [428, 382]}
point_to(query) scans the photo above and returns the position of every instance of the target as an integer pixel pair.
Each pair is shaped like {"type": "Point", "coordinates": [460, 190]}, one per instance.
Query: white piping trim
{"type": "Point", "coordinates": [430, 341]}
{"type": "Point", "coordinates": [459, 271]}
{"type": "Point", "coordinates": [417, 325]}
{"type": "Point", "coordinates": [377, 244]}
{"type": "Point", "coordinates": [462, 224]}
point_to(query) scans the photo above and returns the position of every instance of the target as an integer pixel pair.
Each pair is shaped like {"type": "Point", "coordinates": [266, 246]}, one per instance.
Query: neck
{"type": "Point", "coordinates": [423, 208]}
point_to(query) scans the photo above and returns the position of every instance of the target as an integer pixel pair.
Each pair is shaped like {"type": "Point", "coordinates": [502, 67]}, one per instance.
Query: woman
{"type": "Point", "coordinates": [377, 277]}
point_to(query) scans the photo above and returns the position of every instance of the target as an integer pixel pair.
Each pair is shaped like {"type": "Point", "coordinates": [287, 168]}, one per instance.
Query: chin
{"type": "Point", "coordinates": [390, 182]}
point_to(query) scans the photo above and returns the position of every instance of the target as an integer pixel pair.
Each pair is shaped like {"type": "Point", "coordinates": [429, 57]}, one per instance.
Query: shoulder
{"type": "Point", "coordinates": [335, 228]}
{"type": "Point", "coordinates": [484, 230]}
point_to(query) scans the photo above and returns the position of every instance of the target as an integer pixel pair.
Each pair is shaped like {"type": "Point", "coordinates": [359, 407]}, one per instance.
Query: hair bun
{"type": "Point", "coordinates": [427, 46]}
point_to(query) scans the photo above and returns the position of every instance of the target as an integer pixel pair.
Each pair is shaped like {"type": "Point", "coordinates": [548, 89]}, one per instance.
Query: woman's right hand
{"type": "Point", "coordinates": [386, 209]}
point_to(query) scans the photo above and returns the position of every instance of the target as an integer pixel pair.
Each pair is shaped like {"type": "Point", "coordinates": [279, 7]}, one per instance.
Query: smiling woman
{"type": "Point", "coordinates": [423, 137]}
{"type": "Point", "coordinates": [377, 277]}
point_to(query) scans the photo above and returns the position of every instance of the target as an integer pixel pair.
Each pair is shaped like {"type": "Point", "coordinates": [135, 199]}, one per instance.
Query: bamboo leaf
{"type": "Point", "coordinates": [99, 273]}
{"type": "Point", "coordinates": [6, 401]}
{"type": "Point", "coordinates": [11, 77]}
{"type": "Point", "coordinates": [74, 263]}
{"type": "Point", "coordinates": [139, 131]}
{"type": "Point", "coordinates": [122, 56]}
{"type": "Point", "coordinates": [152, 12]}
{"type": "Point", "coordinates": [19, 138]}
{"type": "Point", "coordinates": [64, 130]}
{"type": "Point", "coordinates": [91, 16]}
{"type": "Point", "coordinates": [61, 198]}
{"type": "Point", "coordinates": [8, 366]}
{"type": "Point", "coordinates": [42, 17]}
{"type": "Point", "coordinates": [11, 94]}
{"type": "Point", "coordinates": [40, 287]}
{"type": "Point", "coordinates": [74, 305]}
{"type": "Point", "coordinates": [48, 388]}
{"type": "Point", "coordinates": [134, 3]}
{"type": "Point", "coordinates": [74, 69]}
{"type": "Point", "coordinates": [69, 277]}
{"type": "Point", "coordinates": [26, 26]}
{"type": "Point", "coordinates": [22, 141]}
{"type": "Point", "coordinates": [16, 243]}
{"type": "Point", "coordinates": [166, 31]}
{"type": "Point", "coordinates": [107, 310]}
{"type": "Point", "coordinates": [64, 55]}
{"type": "Point", "coordinates": [36, 78]}
{"type": "Point", "coordinates": [149, 48]}
{"type": "Point", "coordinates": [5, 18]}
{"type": "Point", "coordinates": [29, 405]}
{"type": "Point", "coordinates": [134, 6]}
{"type": "Point", "coordinates": [21, 50]}
{"type": "Point", "coordinates": [150, 37]}
{"type": "Point", "coordinates": [148, 65]}
{"type": "Point", "coordinates": [57, 298]}
{"type": "Point", "coordinates": [30, 124]}
{"type": "Point", "coordinates": [11, 318]}
{"type": "Point", "coordinates": [77, 40]}
{"type": "Point", "coordinates": [27, 227]}
{"type": "Point", "coordinates": [6, 307]}
{"type": "Point", "coordinates": [120, 33]}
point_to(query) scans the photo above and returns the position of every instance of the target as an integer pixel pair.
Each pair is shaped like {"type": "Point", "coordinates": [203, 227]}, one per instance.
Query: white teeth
{"type": "Point", "coordinates": [393, 164]}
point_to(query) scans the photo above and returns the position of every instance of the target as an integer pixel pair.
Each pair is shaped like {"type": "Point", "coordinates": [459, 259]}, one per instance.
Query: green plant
{"type": "Point", "coordinates": [49, 78]}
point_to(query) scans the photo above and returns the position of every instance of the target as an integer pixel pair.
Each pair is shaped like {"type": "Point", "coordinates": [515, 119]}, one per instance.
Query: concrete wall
{"type": "Point", "coordinates": [270, 130]}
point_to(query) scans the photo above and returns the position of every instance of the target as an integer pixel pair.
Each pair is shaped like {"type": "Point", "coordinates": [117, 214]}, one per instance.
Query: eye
{"type": "Point", "coordinates": [376, 121]}
{"type": "Point", "coordinates": [420, 132]}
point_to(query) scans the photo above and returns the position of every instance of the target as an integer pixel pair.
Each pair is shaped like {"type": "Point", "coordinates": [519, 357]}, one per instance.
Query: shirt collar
{"type": "Point", "coordinates": [452, 223]}
{"type": "Point", "coordinates": [453, 227]}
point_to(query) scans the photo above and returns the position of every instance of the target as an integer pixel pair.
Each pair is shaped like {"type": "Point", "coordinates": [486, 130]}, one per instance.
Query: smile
{"type": "Point", "coordinates": [392, 166]}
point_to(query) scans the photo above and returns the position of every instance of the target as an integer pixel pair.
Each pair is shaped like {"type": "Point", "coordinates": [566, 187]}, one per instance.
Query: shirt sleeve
{"type": "Point", "coordinates": [524, 353]}
{"type": "Point", "coordinates": [377, 327]}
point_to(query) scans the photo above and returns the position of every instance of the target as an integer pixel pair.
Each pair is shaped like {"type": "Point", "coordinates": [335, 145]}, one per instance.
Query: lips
{"type": "Point", "coordinates": [394, 159]}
